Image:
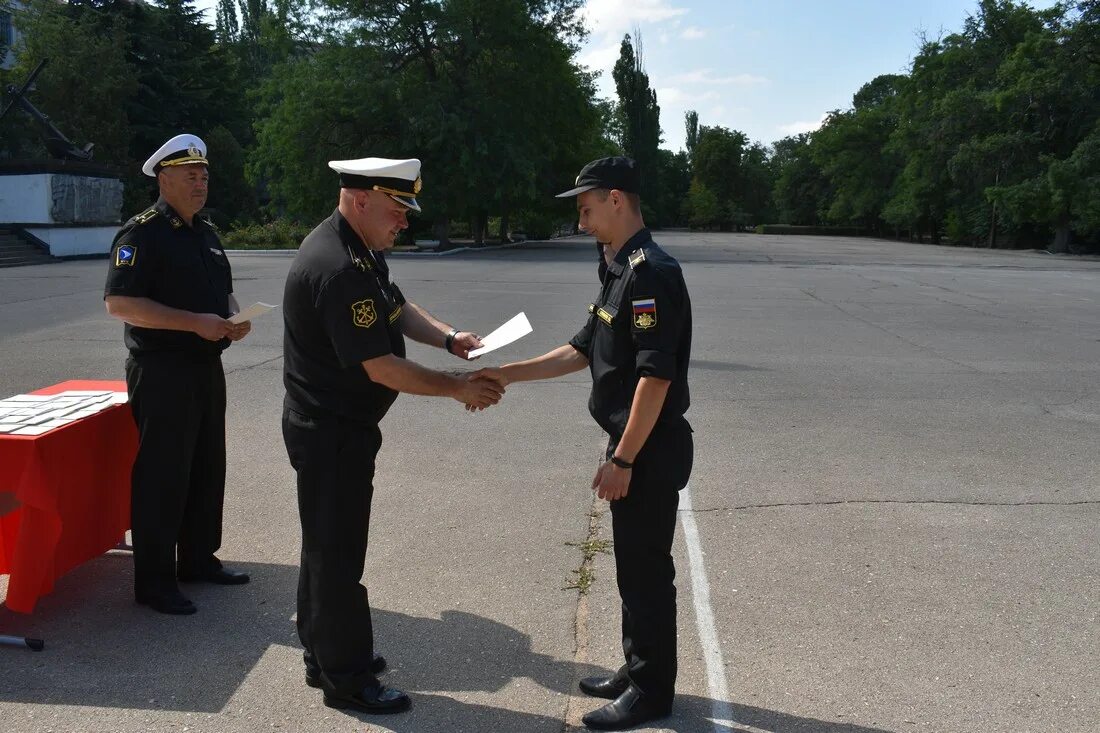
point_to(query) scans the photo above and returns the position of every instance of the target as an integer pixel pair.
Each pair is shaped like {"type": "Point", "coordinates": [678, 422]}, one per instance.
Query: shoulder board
{"type": "Point", "coordinates": [210, 223]}
{"type": "Point", "coordinates": [636, 259]}
{"type": "Point", "coordinates": [147, 215]}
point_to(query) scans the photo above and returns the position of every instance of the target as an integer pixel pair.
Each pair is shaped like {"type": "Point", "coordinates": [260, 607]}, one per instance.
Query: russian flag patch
{"type": "Point", "coordinates": [645, 312]}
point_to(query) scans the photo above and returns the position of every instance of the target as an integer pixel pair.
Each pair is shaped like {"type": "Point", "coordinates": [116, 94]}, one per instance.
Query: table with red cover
{"type": "Point", "coordinates": [72, 485]}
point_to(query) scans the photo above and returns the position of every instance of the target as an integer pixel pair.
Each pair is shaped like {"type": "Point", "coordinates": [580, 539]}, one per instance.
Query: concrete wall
{"type": "Point", "coordinates": [26, 199]}
{"type": "Point", "coordinates": [76, 241]}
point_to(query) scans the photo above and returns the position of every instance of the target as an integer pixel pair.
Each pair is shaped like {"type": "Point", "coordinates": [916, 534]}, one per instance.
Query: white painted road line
{"type": "Point", "coordinates": [721, 711]}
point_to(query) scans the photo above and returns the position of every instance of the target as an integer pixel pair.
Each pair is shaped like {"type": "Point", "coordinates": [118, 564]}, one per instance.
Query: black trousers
{"type": "Point", "coordinates": [178, 481]}
{"type": "Point", "coordinates": [643, 525]}
{"type": "Point", "coordinates": [334, 460]}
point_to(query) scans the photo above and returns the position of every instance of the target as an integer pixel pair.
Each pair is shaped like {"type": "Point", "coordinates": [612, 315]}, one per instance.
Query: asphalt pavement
{"type": "Point", "coordinates": [891, 526]}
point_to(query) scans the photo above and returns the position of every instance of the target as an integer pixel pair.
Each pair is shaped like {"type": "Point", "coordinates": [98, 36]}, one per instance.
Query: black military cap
{"type": "Point", "coordinates": [616, 172]}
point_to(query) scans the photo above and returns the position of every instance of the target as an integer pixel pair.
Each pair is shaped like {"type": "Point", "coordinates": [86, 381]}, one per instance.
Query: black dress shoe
{"type": "Point", "coordinates": [218, 576]}
{"type": "Point", "coordinates": [629, 709]}
{"type": "Point", "coordinates": [171, 602]}
{"type": "Point", "coordinates": [609, 687]}
{"type": "Point", "coordinates": [376, 700]}
{"type": "Point", "coordinates": [377, 666]}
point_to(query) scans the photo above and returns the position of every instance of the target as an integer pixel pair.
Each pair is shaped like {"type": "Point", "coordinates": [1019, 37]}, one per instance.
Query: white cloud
{"type": "Point", "coordinates": [614, 18]}
{"type": "Point", "coordinates": [600, 58]}
{"type": "Point", "coordinates": [796, 128]}
{"type": "Point", "coordinates": [675, 96]}
{"type": "Point", "coordinates": [691, 33]}
{"type": "Point", "coordinates": [706, 76]}
{"type": "Point", "coordinates": [609, 20]}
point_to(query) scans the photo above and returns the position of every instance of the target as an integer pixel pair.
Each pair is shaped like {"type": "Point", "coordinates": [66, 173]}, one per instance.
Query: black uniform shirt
{"type": "Point", "coordinates": [156, 255]}
{"type": "Point", "coordinates": [339, 310]}
{"type": "Point", "coordinates": [640, 326]}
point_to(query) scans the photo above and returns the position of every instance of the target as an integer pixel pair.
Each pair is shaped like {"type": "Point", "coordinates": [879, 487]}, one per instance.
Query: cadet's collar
{"type": "Point", "coordinates": [165, 210]}
{"type": "Point", "coordinates": [361, 256]}
{"type": "Point", "coordinates": [623, 255]}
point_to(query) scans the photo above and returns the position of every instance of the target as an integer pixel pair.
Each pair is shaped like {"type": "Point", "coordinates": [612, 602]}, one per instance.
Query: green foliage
{"type": "Point", "coordinates": [277, 234]}
{"type": "Point", "coordinates": [486, 95]}
{"type": "Point", "coordinates": [84, 107]}
{"type": "Point", "coordinates": [989, 139]}
{"type": "Point", "coordinates": [638, 116]}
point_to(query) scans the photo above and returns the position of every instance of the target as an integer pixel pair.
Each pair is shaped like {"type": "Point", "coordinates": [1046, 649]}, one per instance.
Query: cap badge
{"type": "Point", "coordinates": [193, 151]}
{"type": "Point", "coordinates": [416, 185]}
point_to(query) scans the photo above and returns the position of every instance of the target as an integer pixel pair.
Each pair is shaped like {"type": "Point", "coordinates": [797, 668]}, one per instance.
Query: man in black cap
{"type": "Point", "coordinates": [344, 357]}
{"type": "Point", "coordinates": [637, 343]}
{"type": "Point", "coordinates": [171, 283]}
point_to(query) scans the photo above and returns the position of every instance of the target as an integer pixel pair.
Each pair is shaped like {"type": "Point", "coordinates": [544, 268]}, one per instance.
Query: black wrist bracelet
{"type": "Point", "coordinates": [450, 340]}
{"type": "Point", "coordinates": [621, 463]}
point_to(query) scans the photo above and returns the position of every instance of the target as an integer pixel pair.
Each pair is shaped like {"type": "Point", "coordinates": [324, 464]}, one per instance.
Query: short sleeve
{"type": "Point", "coordinates": [228, 271]}
{"type": "Point", "coordinates": [582, 342]}
{"type": "Point", "coordinates": [349, 307]}
{"type": "Point", "coordinates": [131, 266]}
{"type": "Point", "coordinates": [656, 320]}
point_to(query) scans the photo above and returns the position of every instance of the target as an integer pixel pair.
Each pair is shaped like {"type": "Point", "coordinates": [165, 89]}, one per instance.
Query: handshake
{"type": "Point", "coordinates": [480, 389]}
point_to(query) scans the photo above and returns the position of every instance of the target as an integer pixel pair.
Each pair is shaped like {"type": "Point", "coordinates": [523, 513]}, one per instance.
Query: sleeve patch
{"type": "Point", "coordinates": [363, 313]}
{"type": "Point", "coordinates": [645, 312]}
{"type": "Point", "coordinates": [125, 255]}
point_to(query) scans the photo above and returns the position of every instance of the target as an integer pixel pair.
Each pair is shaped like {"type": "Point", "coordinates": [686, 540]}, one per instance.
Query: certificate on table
{"type": "Point", "coordinates": [513, 330]}
{"type": "Point", "coordinates": [253, 311]}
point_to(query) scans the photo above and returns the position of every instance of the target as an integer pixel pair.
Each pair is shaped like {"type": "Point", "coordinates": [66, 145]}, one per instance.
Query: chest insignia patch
{"type": "Point", "coordinates": [645, 312]}
{"type": "Point", "coordinates": [125, 255]}
{"type": "Point", "coordinates": [363, 313]}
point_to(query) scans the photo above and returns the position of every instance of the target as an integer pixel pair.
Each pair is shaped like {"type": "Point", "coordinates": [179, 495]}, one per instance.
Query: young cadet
{"type": "Point", "coordinates": [637, 345]}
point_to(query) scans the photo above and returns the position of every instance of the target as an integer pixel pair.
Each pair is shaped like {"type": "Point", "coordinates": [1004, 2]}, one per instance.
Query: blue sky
{"type": "Point", "coordinates": [769, 69]}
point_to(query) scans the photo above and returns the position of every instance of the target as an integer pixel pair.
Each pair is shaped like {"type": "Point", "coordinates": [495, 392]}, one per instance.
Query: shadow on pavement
{"type": "Point", "coordinates": [103, 650]}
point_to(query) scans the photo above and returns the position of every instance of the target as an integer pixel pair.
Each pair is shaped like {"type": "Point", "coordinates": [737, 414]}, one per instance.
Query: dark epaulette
{"type": "Point", "coordinates": [210, 223]}
{"type": "Point", "coordinates": [636, 259]}
{"type": "Point", "coordinates": [145, 216]}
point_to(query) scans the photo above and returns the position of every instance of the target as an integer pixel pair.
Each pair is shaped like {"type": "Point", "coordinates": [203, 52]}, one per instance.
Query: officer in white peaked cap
{"type": "Point", "coordinates": [344, 364]}
{"type": "Point", "coordinates": [171, 283]}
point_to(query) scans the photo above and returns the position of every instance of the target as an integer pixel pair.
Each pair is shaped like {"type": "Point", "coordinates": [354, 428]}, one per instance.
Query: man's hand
{"type": "Point", "coordinates": [465, 342]}
{"type": "Point", "coordinates": [494, 373]}
{"type": "Point", "coordinates": [611, 482]}
{"type": "Point", "coordinates": [240, 330]}
{"type": "Point", "coordinates": [211, 326]}
{"type": "Point", "coordinates": [477, 393]}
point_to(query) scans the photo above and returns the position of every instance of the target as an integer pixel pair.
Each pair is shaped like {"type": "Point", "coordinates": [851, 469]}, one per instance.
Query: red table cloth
{"type": "Point", "coordinates": [73, 487]}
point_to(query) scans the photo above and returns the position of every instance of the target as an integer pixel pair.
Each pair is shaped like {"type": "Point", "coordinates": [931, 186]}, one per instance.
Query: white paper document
{"type": "Point", "coordinates": [38, 414]}
{"type": "Point", "coordinates": [513, 330]}
{"type": "Point", "coordinates": [253, 311]}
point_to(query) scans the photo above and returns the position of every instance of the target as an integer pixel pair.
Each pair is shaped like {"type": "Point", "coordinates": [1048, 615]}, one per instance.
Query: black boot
{"type": "Point", "coordinates": [629, 709]}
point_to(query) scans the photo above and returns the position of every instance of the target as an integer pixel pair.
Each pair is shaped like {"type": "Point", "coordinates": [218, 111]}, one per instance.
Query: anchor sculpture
{"type": "Point", "coordinates": [59, 146]}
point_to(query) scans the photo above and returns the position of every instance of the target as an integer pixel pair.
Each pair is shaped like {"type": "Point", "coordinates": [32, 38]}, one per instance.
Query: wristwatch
{"type": "Point", "coordinates": [621, 463]}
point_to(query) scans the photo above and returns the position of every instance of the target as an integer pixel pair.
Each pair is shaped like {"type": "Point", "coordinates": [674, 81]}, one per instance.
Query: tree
{"type": "Point", "coordinates": [801, 191]}
{"type": "Point", "coordinates": [851, 150]}
{"type": "Point", "coordinates": [488, 97]}
{"type": "Point", "coordinates": [638, 115]}
{"type": "Point", "coordinates": [85, 107]}
{"type": "Point", "coordinates": [691, 129]}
